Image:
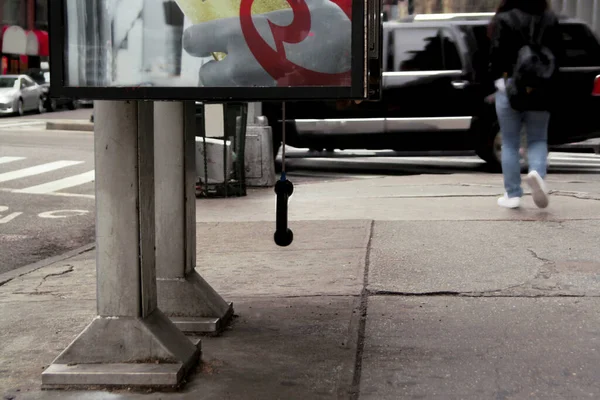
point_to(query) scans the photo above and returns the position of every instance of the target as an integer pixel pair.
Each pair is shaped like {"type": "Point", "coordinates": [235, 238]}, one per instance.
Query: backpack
{"type": "Point", "coordinates": [531, 85]}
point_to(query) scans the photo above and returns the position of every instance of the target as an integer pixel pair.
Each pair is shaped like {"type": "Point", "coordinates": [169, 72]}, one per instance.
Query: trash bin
{"type": "Point", "coordinates": [220, 164]}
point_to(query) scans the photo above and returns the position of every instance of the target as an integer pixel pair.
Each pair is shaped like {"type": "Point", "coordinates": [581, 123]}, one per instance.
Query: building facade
{"type": "Point", "coordinates": [24, 35]}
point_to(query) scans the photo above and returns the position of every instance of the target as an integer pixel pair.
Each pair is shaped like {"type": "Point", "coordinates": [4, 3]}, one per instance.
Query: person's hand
{"type": "Point", "coordinates": [490, 99]}
{"type": "Point", "coordinates": [307, 45]}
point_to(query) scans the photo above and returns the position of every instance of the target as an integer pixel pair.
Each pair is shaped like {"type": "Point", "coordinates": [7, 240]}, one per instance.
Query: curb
{"type": "Point", "coordinates": [27, 269]}
{"type": "Point", "coordinates": [82, 126]}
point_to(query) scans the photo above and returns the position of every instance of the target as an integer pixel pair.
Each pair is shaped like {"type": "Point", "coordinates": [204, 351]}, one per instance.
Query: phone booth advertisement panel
{"type": "Point", "coordinates": [217, 50]}
{"type": "Point", "coordinates": [133, 53]}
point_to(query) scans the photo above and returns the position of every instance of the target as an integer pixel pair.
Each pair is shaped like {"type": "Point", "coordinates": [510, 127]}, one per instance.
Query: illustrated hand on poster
{"type": "Point", "coordinates": [307, 44]}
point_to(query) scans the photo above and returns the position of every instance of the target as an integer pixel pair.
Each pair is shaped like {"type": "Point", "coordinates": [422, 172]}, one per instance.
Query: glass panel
{"type": "Point", "coordinates": [581, 47]}
{"type": "Point", "coordinates": [450, 53]}
{"type": "Point", "coordinates": [7, 82]}
{"type": "Point", "coordinates": [210, 43]}
{"type": "Point", "coordinates": [417, 50]}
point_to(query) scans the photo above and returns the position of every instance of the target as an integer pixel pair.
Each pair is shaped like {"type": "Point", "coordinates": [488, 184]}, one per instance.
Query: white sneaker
{"type": "Point", "coordinates": [509, 202]}
{"type": "Point", "coordinates": [538, 189]}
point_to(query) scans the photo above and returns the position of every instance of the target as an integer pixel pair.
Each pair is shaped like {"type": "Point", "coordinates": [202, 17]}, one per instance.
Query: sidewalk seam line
{"type": "Point", "coordinates": [364, 303]}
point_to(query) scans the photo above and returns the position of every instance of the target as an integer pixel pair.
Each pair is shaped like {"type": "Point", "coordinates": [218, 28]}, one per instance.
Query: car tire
{"type": "Point", "coordinates": [72, 105]}
{"type": "Point", "coordinates": [51, 105]}
{"type": "Point", "coordinates": [40, 107]}
{"type": "Point", "coordinates": [20, 108]}
{"type": "Point", "coordinates": [487, 148]}
{"type": "Point", "coordinates": [490, 149]}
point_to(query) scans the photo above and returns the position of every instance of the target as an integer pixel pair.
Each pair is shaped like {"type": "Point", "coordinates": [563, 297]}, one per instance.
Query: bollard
{"type": "Point", "coordinates": [131, 342]}
{"type": "Point", "coordinates": [183, 295]}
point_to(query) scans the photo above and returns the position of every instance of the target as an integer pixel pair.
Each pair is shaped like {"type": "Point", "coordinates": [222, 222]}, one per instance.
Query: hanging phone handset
{"type": "Point", "coordinates": [283, 189]}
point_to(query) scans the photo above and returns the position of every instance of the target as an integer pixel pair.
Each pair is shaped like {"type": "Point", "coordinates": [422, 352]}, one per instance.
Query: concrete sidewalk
{"type": "Point", "coordinates": [395, 287]}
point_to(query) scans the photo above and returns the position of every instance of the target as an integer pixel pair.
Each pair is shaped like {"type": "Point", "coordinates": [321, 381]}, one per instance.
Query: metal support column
{"type": "Point", "coordinates": [191, 303]}
{"type": "Point", "coordinates": [131, 342]}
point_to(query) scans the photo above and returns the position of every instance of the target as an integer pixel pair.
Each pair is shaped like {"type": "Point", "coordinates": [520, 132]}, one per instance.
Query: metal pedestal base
{"type": "Point", "coordinates": [193, 305]}
{"type": "Point", "coordinates": [203, 325]}
{"type": "Point", "coordinates": [125, 352]}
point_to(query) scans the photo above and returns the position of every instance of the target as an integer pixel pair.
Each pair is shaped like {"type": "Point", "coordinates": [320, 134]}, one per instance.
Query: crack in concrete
{"type": "Point", "coordinates": [362, 323]}
{"type": "Point", "coordinates": [47, 262]}
{"type": "Point", "coordinates": [532, 288]}
{"type": "Point", "coordinates": [69, 269]}
{"type": "Point", "coordinates": [6, 281]}
{"type": "Point", "coordinates": [576, 195]}
{"type": "Point", "coordinates": [433, 196]}
{"type": "Point", "coordinates": [546, 272]}
{"type": "Point", "coordinates": [37, 292]}
{"type": "Point", "coordinates": [489, 294]}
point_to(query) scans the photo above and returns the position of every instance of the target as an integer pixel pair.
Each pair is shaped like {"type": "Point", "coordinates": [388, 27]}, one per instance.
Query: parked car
{"type": "Point", "coordinates": [42, 78]}
{"type": "Point", "coordinates": [434, 89]}
{"type": "Point", "coordinates": [19, 94]}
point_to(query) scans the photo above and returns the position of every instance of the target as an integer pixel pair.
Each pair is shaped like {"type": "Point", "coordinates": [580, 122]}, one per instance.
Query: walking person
{"type": "Point", "coordinates": [525, 48]}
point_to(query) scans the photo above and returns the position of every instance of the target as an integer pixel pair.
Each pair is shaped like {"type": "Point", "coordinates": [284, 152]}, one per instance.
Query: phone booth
{"type": "Point", "coordinates": [145, 84]}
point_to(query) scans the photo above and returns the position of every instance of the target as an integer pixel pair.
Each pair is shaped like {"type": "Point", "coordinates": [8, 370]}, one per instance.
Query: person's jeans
{"type": "Point", "coordinates": [511, 122]}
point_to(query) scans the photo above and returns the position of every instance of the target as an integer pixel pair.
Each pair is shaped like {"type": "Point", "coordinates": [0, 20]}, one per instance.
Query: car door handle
{"type": "Point", "coordinates": [460, 84]}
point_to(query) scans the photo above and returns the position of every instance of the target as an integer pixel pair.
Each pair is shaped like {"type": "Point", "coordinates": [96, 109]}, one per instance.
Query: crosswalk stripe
{"type": "Point", "coordinates": [6, 160]}
{"type": "Point", "coordinates": [60, 184]}
{"type": "Point", "coordinates": [38, 169]}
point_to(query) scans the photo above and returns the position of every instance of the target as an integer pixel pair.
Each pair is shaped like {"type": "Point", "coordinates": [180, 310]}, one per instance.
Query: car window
{"type": "Point", "coordinates": [23, 83]}
{"type": "Point", "coordinates": [422, 49]}
{"type": "Point", "coordinates": [450, 54]}
{"type": "Point", "coordinates": [28, 81]}
{"type": "Point", "coordinates": [36, 76]}
{"type": "Point", "coordinates": [480, 45]}
{"type": "Point", "coordinates": [7, 82]}
{"type": "Point", "coordinates": [581, 47]}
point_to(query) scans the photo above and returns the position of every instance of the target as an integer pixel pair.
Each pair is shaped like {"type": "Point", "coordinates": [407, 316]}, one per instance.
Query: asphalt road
{"type": "Point", "coordinates": [81, 113]}
{"type": "Point", "coordinates": [47, 181]}
{"type": "Point", "coordinates": [46, 192]}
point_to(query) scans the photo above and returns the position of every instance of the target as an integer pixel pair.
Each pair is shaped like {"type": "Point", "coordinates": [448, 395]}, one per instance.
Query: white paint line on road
{"type": "Point", "coordinates": [38, 169]}
{"type": "Point", "coordinates": [85, 196]}
{"type": "Point", "coordinates": [6, 160]}
{"type": "Point", "coordinates": [56, 194]}
{"type": "Point", "coordinates": [60, 184]}
{"type": "Point", "coordinates": [62, 214]}
{"type": "Point", "coordinates": [9, 217]}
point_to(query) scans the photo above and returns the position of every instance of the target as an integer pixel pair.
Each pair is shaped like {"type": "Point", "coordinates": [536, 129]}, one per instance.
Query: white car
{"type": "Point", "coordinates": [19, 94]}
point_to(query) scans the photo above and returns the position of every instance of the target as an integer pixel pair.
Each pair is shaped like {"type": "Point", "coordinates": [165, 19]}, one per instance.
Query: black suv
{"type": "Point", "coordinates": [434, 94]}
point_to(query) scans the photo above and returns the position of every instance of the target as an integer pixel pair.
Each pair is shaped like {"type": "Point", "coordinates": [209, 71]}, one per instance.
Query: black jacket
{"type": "Point", "coordinates": [511, 31]}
